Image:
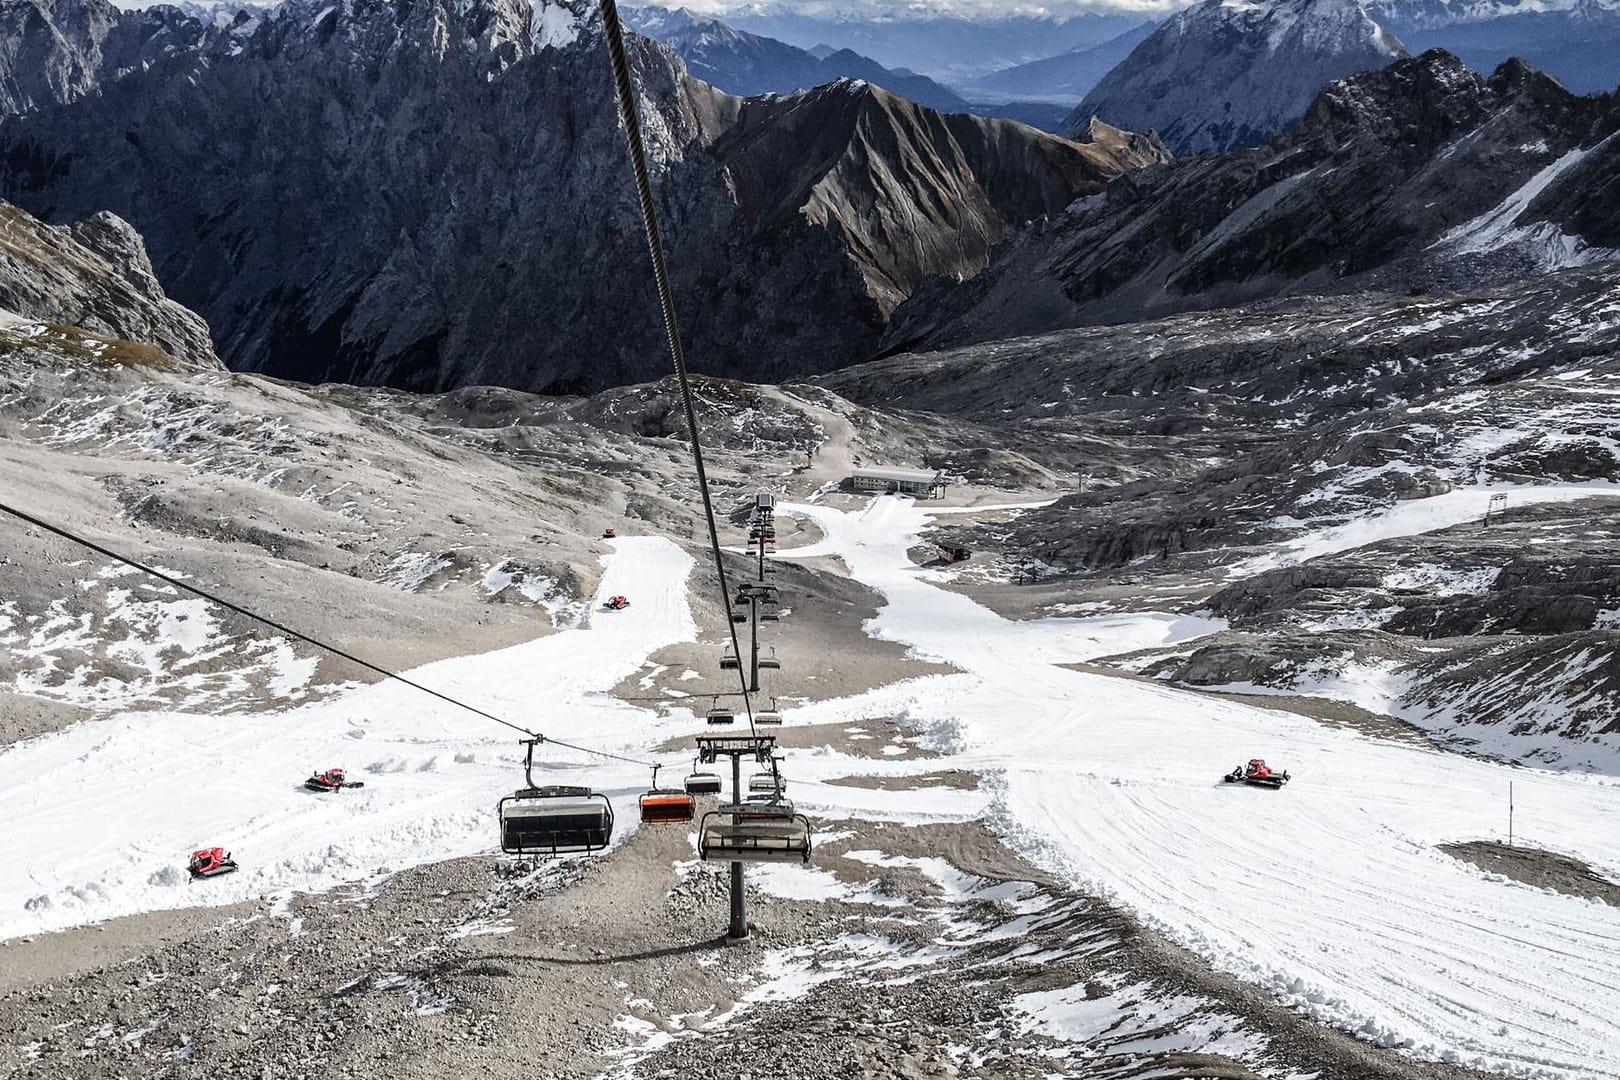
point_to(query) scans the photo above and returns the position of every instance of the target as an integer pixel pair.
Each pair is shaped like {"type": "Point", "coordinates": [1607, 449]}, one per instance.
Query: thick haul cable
{"type": "Point", "coordinates": [614, 33]}
{"type": "Point", "coordinates": [282, 628]}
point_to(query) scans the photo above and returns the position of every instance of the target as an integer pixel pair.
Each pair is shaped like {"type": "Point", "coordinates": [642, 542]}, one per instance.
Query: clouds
{"type": "Point", "coordinates": [899, 10]}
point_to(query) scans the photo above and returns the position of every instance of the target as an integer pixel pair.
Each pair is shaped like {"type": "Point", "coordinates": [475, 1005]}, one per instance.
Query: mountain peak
{"type": "Point", "coordinates": [1231, 73]}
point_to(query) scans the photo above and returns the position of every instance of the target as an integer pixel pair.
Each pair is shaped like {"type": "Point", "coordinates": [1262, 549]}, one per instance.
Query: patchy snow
{"type": "Point", "coordinates": [435, 771]}
{"type": "Point", "coordinates": [1499, 228]}
{"type": "Point", "coordinates": [1345, 909]}
{"type": "Point", "coordinates": [413, 569]}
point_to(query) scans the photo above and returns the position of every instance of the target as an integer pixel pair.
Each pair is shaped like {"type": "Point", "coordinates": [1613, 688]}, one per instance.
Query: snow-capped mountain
{"type": "Point", "coordinates": [435, 194]}
{"type": "Point", "coordinates": [1578, 42]}
{"type": "Point", "coordinates": [1423, 175]}
{"type": "Point", "coordinates": [1232, 73]}
{"type": "Point", "coordinates": [743, 63]}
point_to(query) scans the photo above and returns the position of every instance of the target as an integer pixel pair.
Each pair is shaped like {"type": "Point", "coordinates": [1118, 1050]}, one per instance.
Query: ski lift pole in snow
{"type": "Point", "coordinates": [1495, 508]}
{"type": "Point", "coordinates": [1510, 813]}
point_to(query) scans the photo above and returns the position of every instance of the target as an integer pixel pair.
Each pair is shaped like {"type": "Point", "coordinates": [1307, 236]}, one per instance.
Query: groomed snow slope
{"type": "Point", "coordinates": [1331, 892]}
{"type": "Point", "coordinates": [100, 818]}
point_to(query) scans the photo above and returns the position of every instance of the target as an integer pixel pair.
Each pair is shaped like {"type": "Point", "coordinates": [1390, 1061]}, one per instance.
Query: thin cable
{"type": "Point", "coordinates": [614, 33]}
{"type": "Point", "coordinates": [169, 579]}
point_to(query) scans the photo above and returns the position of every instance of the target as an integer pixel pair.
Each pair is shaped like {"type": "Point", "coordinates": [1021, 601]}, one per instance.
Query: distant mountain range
{"type": "Point", "coordinates": [434, 194]}
{"type": "Point", "coordinates": [1064, 78]}
{"type": "Point", "coordinates": [742, 63]}
{"type": "Point", "coordinates": [1422, 175]}
{"type": "Point", "coordinates": [1578, 41]}
{"type": "Point", "coordinates": [951, 48]}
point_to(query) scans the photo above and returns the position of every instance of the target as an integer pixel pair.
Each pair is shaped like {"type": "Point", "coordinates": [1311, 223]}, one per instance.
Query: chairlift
{"type": "Point", "coordinates": [728, 662]}
{"type": "Point", "coordinates": [770, 663]}
{"type": "Point", "coordinates": [767, 831]}
{"type": "Point", "coordinates": [661, 806]}
{"type": "Point", "coordinates": [766, 783]}
{"type": "Point", "coordinates": [553, 820]}
{"type": "Point", "coordinates": [702, 782]}
{"type": "Point", "coordinates": [739, 616]}
{"type": "Point", "coordinates": [768, 717]}
{"type": "Point", "coordinates": [719, 714]}
{"type": "Point", "coordinates": [770, 615]}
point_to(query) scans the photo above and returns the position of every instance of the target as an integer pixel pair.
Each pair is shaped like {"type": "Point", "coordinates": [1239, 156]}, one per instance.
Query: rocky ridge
{"type": "Point", "coordinates": [1420, 177]}
{"type": "Point", "coordinates": [329, 243]}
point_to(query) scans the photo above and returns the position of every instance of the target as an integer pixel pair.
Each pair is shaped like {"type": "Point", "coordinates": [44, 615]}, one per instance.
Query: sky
{"type": "Point", "coordinates": [917, 8]}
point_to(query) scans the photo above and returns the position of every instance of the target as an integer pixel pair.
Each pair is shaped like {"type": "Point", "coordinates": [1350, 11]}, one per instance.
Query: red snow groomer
{"type": "Point", "coordinates": [617, 603]}
{"type": "Point", "coordinates": [609, 534]}
{"type": "Point", "coordinates": [1258, 774]}
{"type": "Point", "coordinates": [331, 780]}
{"type": "Point", "coordinates": [210, 862]}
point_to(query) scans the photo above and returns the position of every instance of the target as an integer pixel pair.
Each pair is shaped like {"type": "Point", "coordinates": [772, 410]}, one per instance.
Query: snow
{"type": "Point", "coordinates": [553, 25]}
{"type": "Point", "coordinates": [158, 784]}
{"type": "Point", "coordinates": [1498, 228]}
{"type": "Point", "coordinates": [1411, 518]}
{"type": "Point", "coordinates": [1331, 894]}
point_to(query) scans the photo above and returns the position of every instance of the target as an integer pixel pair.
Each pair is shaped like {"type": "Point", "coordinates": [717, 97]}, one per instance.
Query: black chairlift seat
{"type": "Point", "coordinates": [555, 821]}
{"type": "Point", "coordinates": [739, 616]}
{"type": "Point", "coordinates": [721, 715]}
{"type": "Point", "coordinates": [769, 663]}
{"type": "Point", "coordinates": [768, 718]}
{"type": "Point", "coordinates": [703, 783]}
{"type": "Point", "coordinates": [755, 838]}
{"type": "Point", "coordinates": [729, 663]}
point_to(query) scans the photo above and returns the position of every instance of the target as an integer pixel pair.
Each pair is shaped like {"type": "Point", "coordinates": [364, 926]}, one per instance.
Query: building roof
{"type": "Point", "coordinates": [897, 475]}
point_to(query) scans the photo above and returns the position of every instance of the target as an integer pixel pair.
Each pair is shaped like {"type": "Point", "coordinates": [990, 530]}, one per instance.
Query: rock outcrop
{"type": "Point", "coordinates": [94, 275]}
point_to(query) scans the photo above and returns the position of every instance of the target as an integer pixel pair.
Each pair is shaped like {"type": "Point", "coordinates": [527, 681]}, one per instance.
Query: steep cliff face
{"type": "Point", "coordinates": [912, 192]}
{"type": "Point", "coordinates": [1231, 73]}
{"type": "Point", "coordinates": [95, 276]}
{"type": "Point", "coordinates": [56, 51]}
{"type": "Point", "coordinates": [1419, 176]}
{"type": "Point", "coordinates": [434, 193]}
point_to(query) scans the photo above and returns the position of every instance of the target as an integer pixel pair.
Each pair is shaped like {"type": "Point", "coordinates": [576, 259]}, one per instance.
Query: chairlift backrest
{"type": "Point", "coordinates": [721, 715]}
{"type": "Point", "coordinates": [778, 839]}
{"type": "Point", "coordinates": [555, 821]}
{"type": "Point", "coordinates": [661, 806]}
{"type": "Point", "coordinates": [703, 783]}
{"type": "Point", "coordinates": [768, 718]}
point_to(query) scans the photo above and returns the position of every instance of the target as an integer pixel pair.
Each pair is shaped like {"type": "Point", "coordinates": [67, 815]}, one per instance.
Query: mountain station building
{"type": "Point", "coordinates": [923, 483]}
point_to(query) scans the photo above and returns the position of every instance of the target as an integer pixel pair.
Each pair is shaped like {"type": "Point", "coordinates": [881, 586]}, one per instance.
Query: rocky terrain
{"type": "Point", "coordinates": [1438, 179]}
{"type": "Point", "coordinates": [1572, 40]}
{"type": "Point", "coordinates": [329, 243]}
{"type": "Point", "coordinates": [1247, 444]}
{"type": "Point", "coordinates": [95, 276]}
